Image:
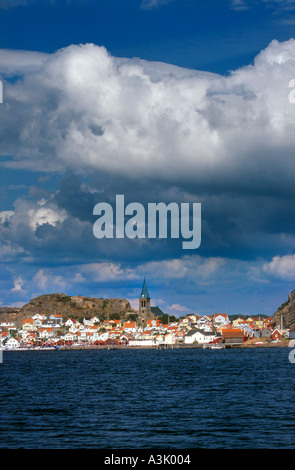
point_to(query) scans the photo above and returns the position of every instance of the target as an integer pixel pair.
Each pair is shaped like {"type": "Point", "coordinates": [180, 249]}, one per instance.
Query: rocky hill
{"type": "Point", "coordinates": [76, 306]}
{"type": "Point", "coordinates": [286, 312]}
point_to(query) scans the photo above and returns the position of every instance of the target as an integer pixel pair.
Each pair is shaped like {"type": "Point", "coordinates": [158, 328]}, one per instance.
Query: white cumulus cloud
{"type": "Point", "coordinates": [107, 271]}
{"type": "Point", "coordinates": [45, 216]}
{"type": "Point", "coordinates": [83, 109]}
{"type": "Point", "coordinates": [47, 281]}
{"type": "Point", "coordinates": [282, 267]}
{"type": "Point", "coordinates": [5, 216]}
{"type": "Point", "coordinates": [193, 268]}
{"type": "Point", "coordinates": [18, 285]}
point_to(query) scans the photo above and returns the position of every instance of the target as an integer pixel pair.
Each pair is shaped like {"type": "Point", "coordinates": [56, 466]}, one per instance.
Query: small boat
{"type": "Point", "coordinates": [212, 346]}
{"type": "Point", "coordinates": [216, 346]}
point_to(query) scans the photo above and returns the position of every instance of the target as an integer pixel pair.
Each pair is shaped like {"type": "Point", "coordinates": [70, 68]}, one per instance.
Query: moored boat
{"type": "Point", "coordinates": [216, 346]}
{"type": "Point", "coordinates": [213, 346]}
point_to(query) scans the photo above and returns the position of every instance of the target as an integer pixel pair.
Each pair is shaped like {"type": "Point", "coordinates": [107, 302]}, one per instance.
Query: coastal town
{"type": "Point", "coordinates": [150, 328]}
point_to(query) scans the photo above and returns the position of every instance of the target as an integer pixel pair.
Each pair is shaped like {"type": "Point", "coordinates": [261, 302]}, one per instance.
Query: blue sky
{"type": "Point", "coordinates": [209, 35]}
{"type": "Point", "coordinates": [183, 101]}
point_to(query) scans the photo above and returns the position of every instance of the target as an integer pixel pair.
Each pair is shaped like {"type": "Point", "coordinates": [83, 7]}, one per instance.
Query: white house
{"type": "Point", "coordinates": [29, 324]}
{"type": "Point", "coordinates": [7, 324]}
{"type": "Point", "coordinates": [12, 343]}
{"type": "Point", "coordinates": [69, 337]}
{"type": "Point", "coordinates": [103, 336]}
{"type": "Point", "coordinates": [129, 326]}
{"type": "Point", "coordinates": [179, 335]}
{"type": "Point", "coordinates": [159, 339]}
{"type": "Point", "coordinates": [199, 336]}
{"type": "Point", "coordinates": [169, 338]}
{"type": "Point", "coordinates": [220, 318]}
{"type": "Point", "coordinates": [90, 322]}
{"type": "Point", "coordinates": [190, 337]}
{"type": "Point", "coordinates": [204, 327]}
{"type": "Point", "coordinates": [71, 322]}
{"type": "Point", "coordinates": [165, 338]}
{"type": "Point", "coordinates": [95, 336]}
{"type": "Point", "coordinates": [204, 320]}
{"type": "Point", "coordinates": [82, 335]}
{"type": "Point", "coordinates": [39, 316]}
{"type": "Point", "coordinates": [193, 318]}
{"type": "Point", "coordinates": [184, 322]}
{"type": "Point", "coordinates": [56, 320]}
{"type": "Point", "coordinates": [153, 325]}
{"type": "Point", "coordinates": [92, 329]}
{"type": "Point", "coordinates": [46, 333]}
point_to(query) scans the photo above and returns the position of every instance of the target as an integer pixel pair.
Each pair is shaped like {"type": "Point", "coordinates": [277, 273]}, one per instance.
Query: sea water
{"type": "Point", "coordinates": [147, 399]}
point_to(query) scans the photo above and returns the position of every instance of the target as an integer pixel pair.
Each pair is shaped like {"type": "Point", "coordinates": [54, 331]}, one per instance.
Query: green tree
{"type": "Point", "coordinates": [132, 317]}
{"type": "Point", "coordinates": [115, 316]}
{"type": "Point", "coordinates": [167, 318]}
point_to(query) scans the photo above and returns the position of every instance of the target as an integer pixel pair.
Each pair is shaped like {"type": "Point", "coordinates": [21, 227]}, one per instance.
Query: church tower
{"type": "Point", "coordinates": [144, 303]}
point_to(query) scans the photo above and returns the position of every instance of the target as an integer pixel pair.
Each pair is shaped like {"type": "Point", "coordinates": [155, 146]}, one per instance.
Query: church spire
{"type": "Point", "coordinates": [144, 292]}
{"type": "Point", "coordinates": [144, 311]}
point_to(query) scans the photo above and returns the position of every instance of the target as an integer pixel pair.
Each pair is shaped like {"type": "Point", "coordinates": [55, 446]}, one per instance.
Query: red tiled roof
{"type": "Point", "coordinates": [232, 333]}
{"type": "Point", "coordinates": [129, 324]}
{"type": "Point", "coordinates": [224, 315]}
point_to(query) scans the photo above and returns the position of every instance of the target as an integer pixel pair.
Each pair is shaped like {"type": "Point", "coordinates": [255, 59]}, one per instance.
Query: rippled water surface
{"type": "Point", "coordinates": [112, 399]}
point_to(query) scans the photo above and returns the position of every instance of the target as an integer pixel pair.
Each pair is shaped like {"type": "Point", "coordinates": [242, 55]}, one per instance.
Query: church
{"type": "Point", "coordinates": [145, 311]}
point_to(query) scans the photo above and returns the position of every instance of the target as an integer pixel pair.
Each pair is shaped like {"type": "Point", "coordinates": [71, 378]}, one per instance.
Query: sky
{"type": "Point", "coordinates": [184, 101]}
